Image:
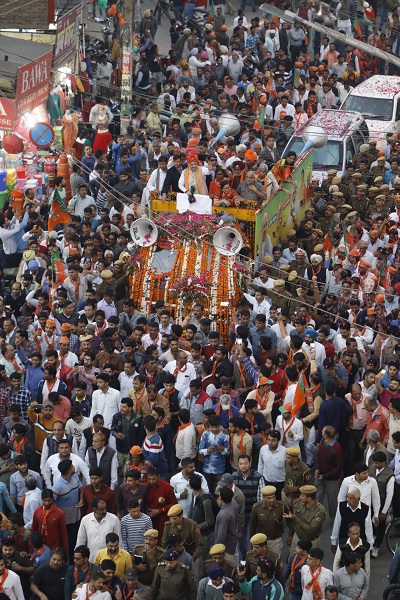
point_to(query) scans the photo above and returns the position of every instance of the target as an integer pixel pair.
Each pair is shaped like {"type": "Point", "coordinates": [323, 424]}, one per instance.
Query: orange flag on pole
{"type": "Point", "coordinates": [58, 212]}
{"type": "Point", "coordinates": [299, 396]}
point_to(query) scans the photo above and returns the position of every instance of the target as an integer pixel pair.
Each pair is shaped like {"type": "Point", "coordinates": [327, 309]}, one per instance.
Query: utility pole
{"type": "Point", "coordinates": [126, 85]}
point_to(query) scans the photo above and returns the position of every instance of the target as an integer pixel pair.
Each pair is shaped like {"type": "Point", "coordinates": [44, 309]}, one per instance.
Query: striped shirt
{"type": "Point", "coordinates": [132, 531]}
{"type": "Point", "coordinates": [66, 497]}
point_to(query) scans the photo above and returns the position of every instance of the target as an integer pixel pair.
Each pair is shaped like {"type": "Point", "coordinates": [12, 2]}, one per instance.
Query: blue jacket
{"type": "Point", "coordinates": [272, 591]}
{"type": "Point", "coordinates": [332, 412]}
{"type": "Point", "coordinates": [129, 165]}
{"type": "Point", "coordinates": [22, 244]}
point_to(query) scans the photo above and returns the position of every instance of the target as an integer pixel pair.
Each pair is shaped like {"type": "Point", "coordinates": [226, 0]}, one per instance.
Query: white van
{"type": "Point", "coordinates": [346, 132]}
{"type": "Point", "coordinates": [378, 100]}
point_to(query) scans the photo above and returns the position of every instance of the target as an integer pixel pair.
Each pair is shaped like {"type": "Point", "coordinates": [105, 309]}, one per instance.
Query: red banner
{"type": "Point", "coordinates": [33, 83]}
{"type": "Point", "coordinates": [67, 33]}
{"type": "Point", "coordinates": [7, 114]}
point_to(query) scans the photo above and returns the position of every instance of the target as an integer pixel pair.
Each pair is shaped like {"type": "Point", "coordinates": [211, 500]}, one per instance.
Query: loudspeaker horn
{"type": "Point", "coordinates": [227, 241]}
{"type": "Point", "coordinates": [144, 232]}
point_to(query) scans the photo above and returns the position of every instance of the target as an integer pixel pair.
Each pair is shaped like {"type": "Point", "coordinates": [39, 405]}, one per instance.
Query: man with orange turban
{"type": "Point", "coordinates": [193, 178]}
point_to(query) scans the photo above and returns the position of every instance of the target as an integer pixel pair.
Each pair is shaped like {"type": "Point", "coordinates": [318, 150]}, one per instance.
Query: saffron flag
{"type": "Point", "coordinates": [58, 267]}
{"type": "Point", "coordinates": [347, 237]}
{"type": "Point", "coordinates": [327, 243]}
{"type": "Point", "coordinates": [58, 211]}
{"type": "Point", "coordinates": [299, 396]}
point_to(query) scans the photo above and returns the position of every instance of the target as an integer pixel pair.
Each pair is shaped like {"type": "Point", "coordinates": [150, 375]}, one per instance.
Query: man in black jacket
{"type": "Point", "coordinates": [126, 427]}
{"type": "Point", "coordinates": [172, 177]}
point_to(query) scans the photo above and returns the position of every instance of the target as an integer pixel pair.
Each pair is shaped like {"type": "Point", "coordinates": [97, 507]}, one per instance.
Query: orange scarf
{"type": "Point", "coordinates": [354, 407]}
{"type": "Point", "coordinates": [250, 419]}
{"type": "Point", "coordinates": [240, 445]}
{"type": "Point", "coordinates": [50, 345]}
{"type": "Point", "coordinates": [14, 363]}
{"type": "Point", "coordinates": [18, 446]}
{"type": "Point", "coordinates": [89, 594]}
{"type": "Point", "coordinates": [181, 428]}
{"type": "Point", "coordinates": [219, 408]}
{"type": "Point", "coordinates": [77, 285]}
{"type": "Point", "coordinates": [2, 580]}
{"type": "Point", "coordinates": [38, 553]}
{"type": "Point", "coordinates": [182, 370]}
{"type": "Point", "coordinates": [138, 399]}
{"type": "Point", "coordinates": [296, 564]}
{"type": "Point", "coordinates": [45, 514]}
{"type": "Point", "coordinates": [285, 429]}
{"type": "Point", "coordinates": [241, 373]}
{"type": "Point", "coordinates": [314, 586]}
{"type": "Point", "coordinates": [202, 188]}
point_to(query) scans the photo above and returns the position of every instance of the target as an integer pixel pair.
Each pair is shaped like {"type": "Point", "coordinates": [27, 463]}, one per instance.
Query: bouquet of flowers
{"type": "Point", "coordinates": [192, 289]}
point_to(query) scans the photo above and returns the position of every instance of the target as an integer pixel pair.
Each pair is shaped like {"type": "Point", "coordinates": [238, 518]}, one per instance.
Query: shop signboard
{"type": "Point", "coordinates": [7, 114]}
{"type": "Point", "coordinates": [65, 48]}
{"type": "Point", "coordinates": [33, 83]}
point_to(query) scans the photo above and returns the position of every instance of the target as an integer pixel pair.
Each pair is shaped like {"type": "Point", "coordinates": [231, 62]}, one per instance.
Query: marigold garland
{"type": "Point", "coordinates": [199, 272]}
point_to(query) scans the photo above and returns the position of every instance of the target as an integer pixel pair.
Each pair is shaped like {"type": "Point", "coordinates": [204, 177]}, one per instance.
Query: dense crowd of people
{"type": "Point", "coordinates": [144, 456]}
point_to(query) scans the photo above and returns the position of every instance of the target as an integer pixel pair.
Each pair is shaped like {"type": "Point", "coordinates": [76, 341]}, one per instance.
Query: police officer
{"type": "Point", "coordinates": [261, 550]}
{"type": "Point", "coordinates": [187, 528]}
{"type": "Point", "coordinates": [172, 580]}
{"type": "Point", "coordinates": [267, 518]}
{"type": "Point", "coordinates": [307, 517]}
{"type": "Point", "coordinates": [217, 554]}
{"type": "Point", "coordinates": [297, 475]}
{"type": "Point", "coordinates": [150, 554]}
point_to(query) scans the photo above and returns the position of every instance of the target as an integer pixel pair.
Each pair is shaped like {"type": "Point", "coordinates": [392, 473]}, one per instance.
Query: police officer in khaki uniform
{"type": "Point", "coordinates": [261, 550]}
{"type": "Point", "coordinates": [151, 554]}
{"type": "Point", "coordinates": [217, 554]}
{"type": "Point", "coordinates": [297, 475]}
{"type": "Point", "coordinates": [327, 223]}
{"type": "Point", "coordinates": [187, 528]}
{"type": "Point", "coordinates": [359, 201]}
{"type": "Point", "coordinates": [172, 580]}
{"type": "Point", "coordinates": [267, 518]}
{"type": "Point", "coordinates": [306, 516]}
{"type": "Point", "coordinates": [279, 296]}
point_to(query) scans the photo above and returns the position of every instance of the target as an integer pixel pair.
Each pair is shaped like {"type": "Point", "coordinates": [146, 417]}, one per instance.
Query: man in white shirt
{"type": "Point", "coordinates": [59, 434]}
{"type": "Point", "coordinates": [368, 489]}
{"type": "Point", "coordinates": [290, 428]}
{"type": "Point", "coordinates": [310, 343]}
{"type": "Point", "coordinates": [258, 302]}
{"type": "Point", "coordinates": [51, 472]}
{"type": "Point", "coordinates": [33, 499]}
{"type": "Point", "coordinates": [96, 453]}
{"type": "Point", "coordinates": [126, 378]}
{"type": "Point", "coordinates": [11, 586]}
{"type": "Point", "coordinates": [94, 588]}
{"type": "Point", "coordinates": [103, 76]}
{"type": "Point", "coordinates": [95, 526]}
{"type": "Point", "coordinates": [8, 229]}
{"type": "Point", "coordinates": [183, 371]}
{"type": "Point", "coordinates": [105, 400]}
{"type": "Point", "coordinates": [180, 483]}
{"type": "Point", "coordinates": [310, 570]}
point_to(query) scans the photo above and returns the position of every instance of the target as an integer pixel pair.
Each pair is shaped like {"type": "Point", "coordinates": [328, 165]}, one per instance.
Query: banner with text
{"type": "Point", "coordinates": [275, 220]}
{"type": "Point", "coordinates": [33, 83]}
{"type": "Point", "coordinates": [65, 48]}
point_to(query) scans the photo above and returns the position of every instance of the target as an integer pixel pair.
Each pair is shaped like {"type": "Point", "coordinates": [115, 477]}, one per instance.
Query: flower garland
{"type": "Point", "coordinates": [191, 289]}
{"type": "Point", "coordinates": [214, 286]}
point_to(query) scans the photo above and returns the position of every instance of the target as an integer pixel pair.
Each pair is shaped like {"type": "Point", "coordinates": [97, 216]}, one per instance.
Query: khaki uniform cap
{"type": "Point", "coordinates": [175, 510]}
{"type": "Point", "coordinates": [308, 489]}
{"type": "Point", "coordinates": [259, 538]}
{"type": "Point", "coordinates": [151, 533]}
{"type": "Point", "coordinates": [217, 549]}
